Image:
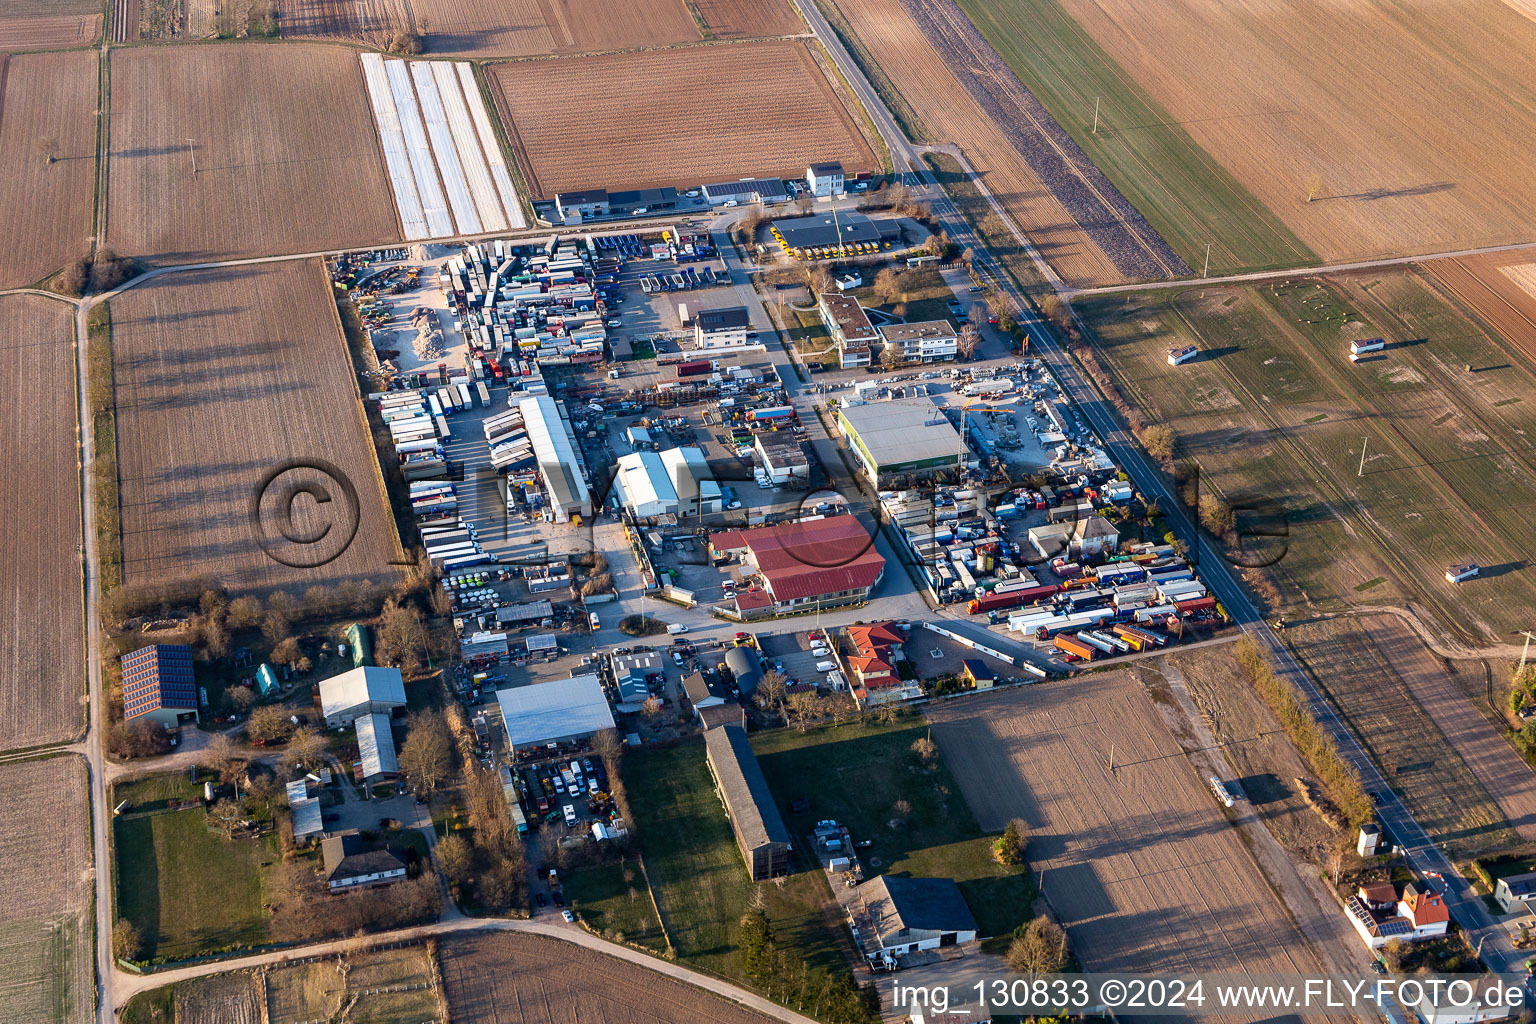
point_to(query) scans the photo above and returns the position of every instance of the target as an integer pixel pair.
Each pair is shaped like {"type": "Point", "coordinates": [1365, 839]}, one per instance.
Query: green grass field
{"type": "Point", "coordinates": [700, 882]}
{"type": "Point", "coordinates": [1184, 194]}
{"type": "Point", "coordinates": [855, 774]}
{"type": "Point", "coordinates": [189, 890]}
{"type": "Point", "coordinates": [1276, 416]}
{"type": "Point", "coordinates": [612, 898]}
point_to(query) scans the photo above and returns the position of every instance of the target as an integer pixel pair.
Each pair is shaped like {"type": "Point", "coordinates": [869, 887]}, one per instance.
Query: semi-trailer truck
{"type": "Point", "coordinates": [1012, 599]}
{"type": "Point", "coordinates": [1070, 645]}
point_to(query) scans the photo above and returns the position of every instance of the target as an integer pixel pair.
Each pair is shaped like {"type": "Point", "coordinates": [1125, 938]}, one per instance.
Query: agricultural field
{"type": "Point", "coordinates": [1276, 416]}
{"type": "Point", "coordinates": [42, 640]}
{"type": "Point", "coordinates": [46, 953]}
{"type": "Point", "coordinates": [749, 19]}
{"type": "Point", "coordinates": [48, 161]}
{"type": "Point", "coordinates": [482, 28]}
{"type": "Point", "coordinates": [1499, 288]}
{"type": "Point", "coordinates": [1133, 852]}
{"type": "Point", "coordinates": [228, 380]}
{"type": "Point", "coordinates": [1366, 684]}
{"type": "Point", "coordinates": [281, 141]}
{"type": "Point", "coordinates": [862, 774]}
{"type": "Point", "coordinates": [934, 103]}
{"type": "Point", "coordinates": [52, 32]}
{"type": "Point", "coordinates": [608, 137]}
{"type": "Point", "coordinates": [220, 999]}
{"type": "Point", "coordinates": [1362, 159]}
{"type": "Point", "coordinates": [552, 980]}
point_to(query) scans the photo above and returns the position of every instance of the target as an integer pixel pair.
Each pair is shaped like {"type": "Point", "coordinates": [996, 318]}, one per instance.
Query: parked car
{"type": "Point", "coordinates": [570, 918]}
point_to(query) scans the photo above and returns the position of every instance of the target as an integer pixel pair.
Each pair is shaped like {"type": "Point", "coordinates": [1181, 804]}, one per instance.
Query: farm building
{"type": "Point", "coordinates": [308, 820]}
{"type": "Point", "coordinates": [929, 341]}
{"type": "Point", "coordinates": [760, 832]}
{"type": "Point", "coordinates": [158, 684]}
{"type": "Point", "coordinates": [849, 326]}
{"type": "Point", "coordinates": [721, 328]}
{"type": "Point", "coordinates": [810, 563]}
{"type": "Point", "coordinates": [351, 864]}
{"type": "Point", "coordinates": [900, 438]}
{"type": "Point", "coordinates": [360, 691]}
{"type": "Point", "coordinates": [897, 916]}
{"type": "Point", "coordinates": [554, 712]}
{"type": "Point", "coordinates": [747, 190]}
{"type": "Point", "coordinates": [632, 673]}
{"type": "Point", "coordinates": [1182, 354]}
{"type": "Point", "coordinates": [783, 458]}
{"type": "Point", "coordinates": [825, 179]}
{"type": "Point", "coordinates": [554, 446]}
{"type": "Point", "coordinates": [675, 482]}
{"type": "Point", "coordinates": [801, 236]}
{"type": "Point", "coordinates": [375, 748]}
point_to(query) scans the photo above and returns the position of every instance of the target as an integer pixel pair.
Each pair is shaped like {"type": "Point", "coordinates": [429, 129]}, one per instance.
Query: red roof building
{"type": "Point", "coordinates": [807, 563]}
{"type": "Point", "coordinates": [872, 665]}
{"type": "Point", "coordinates": [1426, 909]}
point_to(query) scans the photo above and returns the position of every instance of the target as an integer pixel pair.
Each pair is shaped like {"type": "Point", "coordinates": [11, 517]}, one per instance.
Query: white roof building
{"type": "Point", "coordinates": [565, 709]}
{"type": "Point", "coordinates": [361, 691]}
{"type": "Point", "coordinates": [307, 817]}
{"type": "Point", "coordinates": [555, 451]}
{"type": "Point", "coordinates": [677, 481]}
{"type": "Point", "coordinates": [376, 747]}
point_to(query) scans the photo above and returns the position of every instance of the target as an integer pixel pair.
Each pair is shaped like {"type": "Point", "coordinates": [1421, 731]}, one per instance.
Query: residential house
{"type": "Point", "coordinates": [871, 665]}
{"type": "Point", "coordinates": [350, 863]}
{"type": "Point", "coordinates": [927, 341]}
{"type": "Point", "coordinates": [721, 328]}
{"type": "Point", "coordinates": [1425, 909]}
{"type": "Point", "coordinates": [1516, 892]}
{"type": "Point", "coordinates": [1093, 537]}
{"type": "Point", "coordinates": [899, 916]}
{"type": "Point", "coordinates": [825, 179]}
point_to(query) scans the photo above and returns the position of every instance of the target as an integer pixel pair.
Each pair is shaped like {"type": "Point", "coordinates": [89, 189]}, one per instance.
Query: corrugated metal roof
{"type": "Point", "coordinates": [554, 710]}
{"type": "Point", "coordinates": [376, 746]}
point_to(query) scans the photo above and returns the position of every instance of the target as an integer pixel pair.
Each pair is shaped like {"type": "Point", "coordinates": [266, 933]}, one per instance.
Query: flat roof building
{"type": "Point", "coordinates": [360, 691]}
{"type": "Point", "coordinates": [747, 190]}
{"type": "Point", "coordinates": [554, 712]}
{"type": "Point", "coordinates": [849, 326]}
{"type": "Point", "coordinates": [760, 833]}
{"type": "Point", "coordinates": [928, 341]}
{"type": "Point", "coordinates": [158, 684]}
{"type": "Point", "coordinates": [721, 328]}
{"type": "Point", "coordinates": [828, 231]}
{"type": "Point", "coordinates": [554, 447]}
{"type": "Point", "coordinates": [902, 437]}
{"type": "Point", "coordinates": [825, 179]}
{"type": "Point", "coordinates": [783, 458]}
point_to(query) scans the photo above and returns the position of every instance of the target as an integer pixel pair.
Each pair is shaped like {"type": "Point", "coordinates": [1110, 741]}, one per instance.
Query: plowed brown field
{"type": "Point", "coordinates": [1418, 117]}
{"type": "Point", "coordinates": [224, 377]}
{"type": "Point", "coordinates": [283, 141]}
{"type": "Point", "coordinates": [1500, 288]}
{"type": "Point", "coordinates": [746, 19]}
{"type": "Point", "coordinates": [497, 28]}
{"type": "Point", "coordinates": [906, 57]}
{"type": "Point", "coordinates": [634, 120]}
{"type": "Point", "coordinates": [49, 33]}
{"type": "Point", "coordinates": [1133, 851]}
{"type": "Point", "coordinates": [47, 101]}
{"type": "Point", "coordinates": [558, 982]}
{"type": "Point", "coordinates": [42, 642]}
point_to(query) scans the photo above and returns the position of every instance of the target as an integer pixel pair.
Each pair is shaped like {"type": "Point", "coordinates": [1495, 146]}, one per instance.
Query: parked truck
{"type": "Point", "coordinates": [1011, 599]}
{"type": "Point", "coordinates": [1071, 645]}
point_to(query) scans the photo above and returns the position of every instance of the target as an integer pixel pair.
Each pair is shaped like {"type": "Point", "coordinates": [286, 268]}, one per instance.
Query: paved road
{"type": "Point", "coordinates": [1422, 853]}
{"type": "Point", "coordinates": [131, 984]}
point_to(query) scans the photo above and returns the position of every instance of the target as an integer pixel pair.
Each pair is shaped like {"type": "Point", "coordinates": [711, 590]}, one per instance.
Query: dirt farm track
{"type": "Point", "coordinates": [659, 118]}
{"type": "Point", "coordinates": [282, 139]}
{"type": "Point", "coordinates": [225, 377]}
{"type": "Point", "coordinates": [511, 978]}
{"type": "Point", "coordinates": [42, 671]}
{"type": "Point", "coordinates": [47, 106]}
{"type": "Point", "coordinates": [1134, 853]}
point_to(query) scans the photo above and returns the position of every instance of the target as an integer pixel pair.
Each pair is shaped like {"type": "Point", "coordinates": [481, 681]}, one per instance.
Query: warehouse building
{"type": "Point", "coordinates": [676, 482]}
{"type": "Point", "coordinates": [554, 448]}
{"type": "Point", "coordinates": [158, 684]}
{"type": "Point", "coordinates": [810, 563]}
{"type": "Point", "coordinates": [593, 203]}
{"type": "Point", "coordinates": [721, 328]}
{"type": "Point", "coordinates": [825, 179]}
{"type": "Point", "coordinates": [359, 692]}
{"type": "Point", "coordinates": [562, 711]}
{"type": "Point", "coordinates": [898, 916]}
{"type": "Point", "coordinates": [747, 190]}
{"type": "Point", "coordinates": [783, 459]}
{"type": "Point", "coordinates": [928, 341]}
{"type": "Point", "coordinates": [900, 438]}
{"type": "Point", "coordinates": [760, 832]}
{"type": "Point", "coordinates": [376, 761]}
{"type": "Point", "coordinates": [841, 230]}
{"type": "Point", "coordinates": [849, 326]}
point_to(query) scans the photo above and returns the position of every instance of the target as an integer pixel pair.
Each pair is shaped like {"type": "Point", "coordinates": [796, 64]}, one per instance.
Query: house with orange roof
{"type": "Point", "coordinates": [1380, 915]}
{"type": "Point", "coordinates": [1425, 909]}
{"type": "Point", "coordinates": [873, 653]}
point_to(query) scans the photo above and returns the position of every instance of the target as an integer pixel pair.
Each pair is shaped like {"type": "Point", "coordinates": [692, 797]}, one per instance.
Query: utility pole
{"type": "Point", "coordinates": [1363, 442]}
{"type": "Point", "coordinates": [1529, 636]}
{"type": "Point", "coordinates": [192, 152]}
{"type": "Point", "coordinates": [1096, 115]}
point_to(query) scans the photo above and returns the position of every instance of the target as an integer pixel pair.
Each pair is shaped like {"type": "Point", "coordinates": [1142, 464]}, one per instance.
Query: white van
{"type": "Point", "coordinates": [570, 815]}
{"type": "Point", "coordinates": [592, 619]}
{"type": "Point", "coordinates": [826, 666]}
{"type": "Point", "coordinates": [676, 628]}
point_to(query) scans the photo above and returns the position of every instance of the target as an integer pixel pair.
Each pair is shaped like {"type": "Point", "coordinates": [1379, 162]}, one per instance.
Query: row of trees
{"type": "Point", "coordinates": [783, 975]}
{"type": "Point", "coordinates": [803, 707]}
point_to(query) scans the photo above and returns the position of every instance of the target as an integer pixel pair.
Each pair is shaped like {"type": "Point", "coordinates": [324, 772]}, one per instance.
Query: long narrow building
{"type": "Point", "coordinates": [760, 832]}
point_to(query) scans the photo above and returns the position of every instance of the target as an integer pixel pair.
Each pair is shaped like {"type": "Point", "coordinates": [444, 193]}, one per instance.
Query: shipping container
{"type": "Point", "coordinates": [484, 393]}
{"type": "Point", "coordinates": [694, 367]}
{"type": "Point", "coordinates": [1198, 604]}
{"type": "Point", "coordinates": [1011, 599]}
{"type": "Point", "coordinates": [1072, 646]}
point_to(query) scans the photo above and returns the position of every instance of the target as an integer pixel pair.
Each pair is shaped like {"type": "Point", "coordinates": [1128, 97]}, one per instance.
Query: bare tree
{"type": "Point", "coordinates": [306, 749]}
{"type": "Point", "coordinates": [244, 612]}
{"type": "Point", "coordinates": [608, 747]}
{"type": "Point", "coordinates": [456, 857]}
{"type": "Point", "coordinates": [268, 724]}
{"type": "Point", "coordinates": [772, 693]}
{"type": "Point", "coordinates": [801, 707]}
{"type": "Point", "coordinates": [402, 637]}
{"type": "Point", "coordinates": [220, 758]}
{"type": "Point", "coordinates": [1042, 949]}
{"type": "Point", "coordinates": [967, 340]}
{"type": "Point", "coordinates": [226, 817]}
{"type": "Point", "coordinates": [427, 754]}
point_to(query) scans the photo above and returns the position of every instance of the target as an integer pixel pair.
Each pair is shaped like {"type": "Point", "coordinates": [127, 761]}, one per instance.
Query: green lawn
{"type": "Point", "coordinates": [189, 890]}
{"type": "Point", "coordinates": [925, 296]}
{"type": "Point", "coordinates": [856, 774]}
{"type": "Point", "coordinates": [612, 898]}
{"type": "Point", "coordinates": [154, 792]}
{"type": "Point", "coordinates": [700, 882]}
{"type": "Point", "coordinates": [1184, 194]}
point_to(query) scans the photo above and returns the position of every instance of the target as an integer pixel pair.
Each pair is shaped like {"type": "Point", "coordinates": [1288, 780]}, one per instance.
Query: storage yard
{"type": "Point", "coordinates": [47, 108]}
{"type": "Point", "coordinates": [42, 640]}
{"type": "Point", "coordinates": [440, 149]}
{"type": "Point", "coordinates": [553, 977]}
{"type": "Point", "coordinates": [1132, 850]}
{"type": "Point", "coordinates": [48, 968]}
{"type": "Point", "coordinates": [1383, 157]}
{"type": "Point", "coordinates": [783, 114]}
{"type": "Point", "coordinates": [1275, 407]}
{"type": "Point", "coordinates": [223, 377]}
{"type": "Point", "coordinates": [285, 155]}
{"type": "Point", "coordinates": [481, 28]}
